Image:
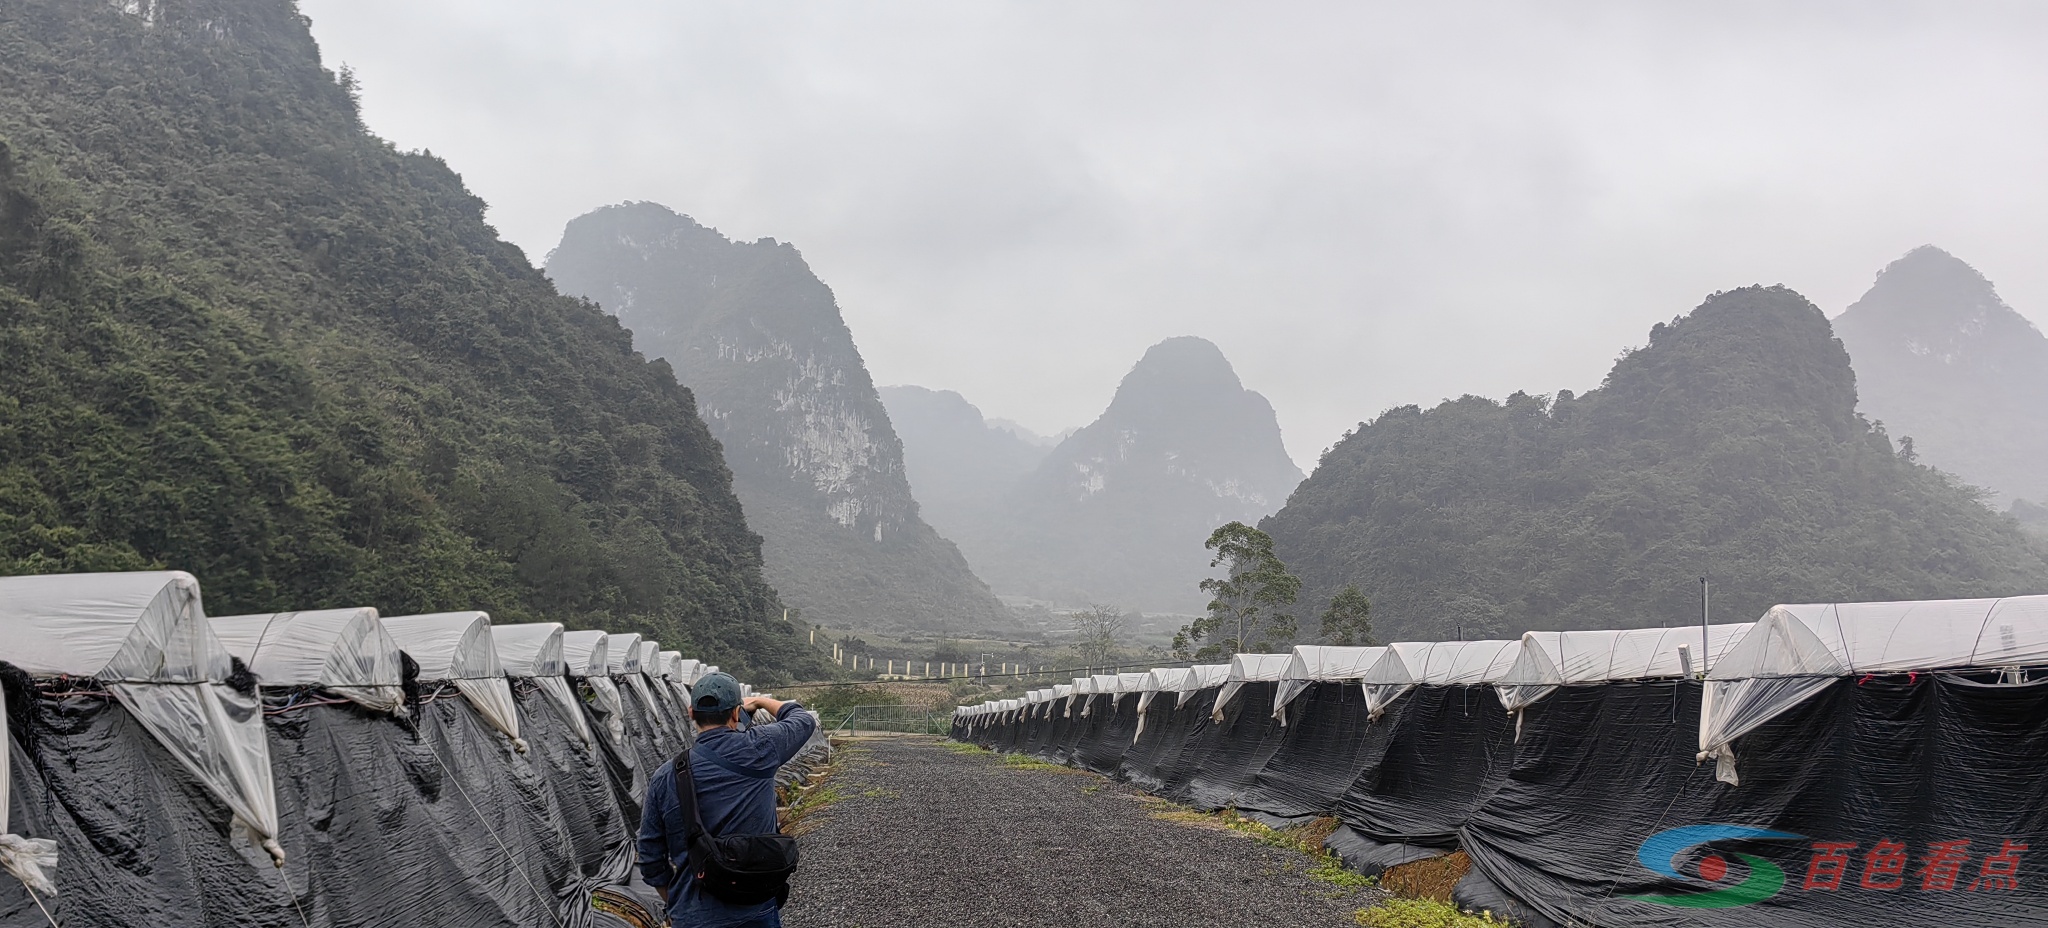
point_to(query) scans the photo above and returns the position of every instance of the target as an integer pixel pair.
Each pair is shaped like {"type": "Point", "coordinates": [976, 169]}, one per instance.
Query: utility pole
{"type": "Point", "coordinates": [1706, 598]}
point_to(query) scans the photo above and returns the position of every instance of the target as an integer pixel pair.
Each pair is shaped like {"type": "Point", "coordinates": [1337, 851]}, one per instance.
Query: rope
{"type": "Point", "coordinates": [39, 905]}
{"type": "Point", "coordinates": [286, 883]}
{"type": "Point", "coordinates": [1612, 885]}
{"type": "Point", "coordinates": [511, 858]}
{"type": "Point", "coordinates": [1058, 671]}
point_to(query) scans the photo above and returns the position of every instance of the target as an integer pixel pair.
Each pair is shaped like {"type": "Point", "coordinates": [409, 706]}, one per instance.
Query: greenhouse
{"type": "Point", "coordinates": [456, 648]}
{"type": "Point", "coordinates": [344, 651]}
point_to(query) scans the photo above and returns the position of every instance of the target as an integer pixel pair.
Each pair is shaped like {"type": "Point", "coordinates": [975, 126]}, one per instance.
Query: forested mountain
{"type": "Point", "coordinates": [1118, 512]}
{"type": "Point", "coordinates": [245, 338]}
{"type": "Point", "coordinates": [1942, 360]}
{"type": "Point", "coordinates": [814, 459]}
{"type": "Point", "coordinates": [1729, 446]}
{"type": "Point", "coordinates": [961, 466]}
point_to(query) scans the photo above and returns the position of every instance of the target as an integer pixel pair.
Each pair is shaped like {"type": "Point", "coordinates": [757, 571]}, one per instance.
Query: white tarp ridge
{"type": "Point", "coordinates": [1409, 664]}
{"type": "Point", "coordinates": [346, 651]}
{"type": "Point", "coordinates": [1249, 668]}
{"type": "Point", "coordinates": [1795, 651]}
{"type": "Point", "coordinates": [1313, 663]}
{"type": "Point", "coordinates": [457, 647]}
{"type": "Point", "coordinates": [144, 635]}
{"type": "Point", "coordinates": [534, 651]}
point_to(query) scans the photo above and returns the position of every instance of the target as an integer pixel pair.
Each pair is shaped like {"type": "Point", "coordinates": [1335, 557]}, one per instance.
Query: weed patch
{"type": "Point", "coordinates": [799, 818]}
{"type": "Point", "coordinates": [1423, 913]}
{"type": "Point", "coordinates": [1021, 762]}
{"type": "Point", "coordinates": [1431, 878]}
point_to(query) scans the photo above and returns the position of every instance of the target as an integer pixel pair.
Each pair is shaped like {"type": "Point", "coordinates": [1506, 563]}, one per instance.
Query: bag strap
{"type": "Point", "coordinates": [686, 793]}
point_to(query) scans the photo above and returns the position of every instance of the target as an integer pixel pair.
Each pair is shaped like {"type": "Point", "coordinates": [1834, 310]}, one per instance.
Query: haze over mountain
{"type": "Point", "coordinates": [1729, 446]}
{"type": "Point", "coordinates": [247, 339]}
{"type": "Point", "coordinates": [1118, 512]}
{"type": "Point", "coordinates": [760, 340]}
{"type": "Point", "coordinates": [960, 465]}
{"type": "Point", "coordinates": [1941, 359]}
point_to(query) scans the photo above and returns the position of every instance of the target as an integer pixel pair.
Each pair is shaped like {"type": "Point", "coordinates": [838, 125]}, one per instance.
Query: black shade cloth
{"type": "Point", "coordinates": [1328, 739]}
{"type": "Point", "coordinates": [1442, 751]}
{"type": "Point", "coordinates": [651, 741]}
{"type": "Point", "coordinates": [1238, 748]}
{"type": "Point", "coordinates": [1140, 761]}
{"type": "Point", "coordinates": [1868, 790]}
{"type": "Point", "coordinates": [383, 825]}
{"type": "Point", "coordinates": [1116, 718]}
{"type": "Point", "coordinates": [1183, 736]}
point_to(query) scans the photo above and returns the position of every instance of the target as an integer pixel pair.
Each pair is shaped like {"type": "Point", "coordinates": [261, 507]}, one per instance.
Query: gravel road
{"type": "Point", "coordinates": [925, 836]}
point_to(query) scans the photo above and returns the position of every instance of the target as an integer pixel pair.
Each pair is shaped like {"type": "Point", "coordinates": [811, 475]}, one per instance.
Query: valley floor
{"type": "Point", "coordinates": [924, 834]}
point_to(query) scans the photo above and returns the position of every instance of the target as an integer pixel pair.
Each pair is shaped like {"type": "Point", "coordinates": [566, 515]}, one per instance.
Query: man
{"type": "Point", "coordinates": [735, 775]}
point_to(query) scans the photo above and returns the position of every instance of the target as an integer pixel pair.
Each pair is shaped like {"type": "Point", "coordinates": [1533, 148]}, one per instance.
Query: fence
{"type": "Point", "coordinates": [916, 720]}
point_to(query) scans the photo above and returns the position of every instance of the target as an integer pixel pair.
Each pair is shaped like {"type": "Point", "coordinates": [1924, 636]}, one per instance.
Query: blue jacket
{"type": "Point", "coordinates": [731, 804]}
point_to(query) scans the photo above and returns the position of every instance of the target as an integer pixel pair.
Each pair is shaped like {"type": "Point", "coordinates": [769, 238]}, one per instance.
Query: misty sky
{"type": "Point", "coordinates": [1364, 205]}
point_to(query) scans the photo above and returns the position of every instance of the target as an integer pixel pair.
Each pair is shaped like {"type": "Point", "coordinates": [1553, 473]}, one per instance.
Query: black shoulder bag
{"type": "Point", "coordinates": [734, 869]}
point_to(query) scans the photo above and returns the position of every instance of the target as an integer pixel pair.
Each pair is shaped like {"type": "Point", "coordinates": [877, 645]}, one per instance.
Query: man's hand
{"type": "Point", "coordinates": [751, 703]}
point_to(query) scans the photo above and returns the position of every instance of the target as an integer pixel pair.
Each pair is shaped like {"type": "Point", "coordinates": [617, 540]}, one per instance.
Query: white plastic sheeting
{"type": "Point", "coordinates": [145, 636]}
{"type": "Point", "coordinates": [1548, 660]}
{"type": "Point", "coordinates": [1101, 684]}
{"type": "Point", "coordinates": [589, 658]}
{"type": "Point", "coordinates": [1796, 651]}
{"type": "Point", "coordinates": [458, 647]}
{"type": "Point", "coordinates": [675, 674]}
{"type": "Point", "coordinates": [1159, 680]}
{"type": "Point", "coordinates": [1406, 665]}
{"type": "Point", "coordinates": [343, 650]}
{"type": "Point", "coordinates": [1083, 688]}
{"type": "Point", "coordinates": [534, 651]}
{"type": "Point", "coordinates": [623, 653]}
{"type": "Point", "coordinates": [1203, 676]}
{"type": "Point", "coordinates": [1314, 663]}
{"type": "Point", "coordinates": [1249, 668]}
{"type": "Point", "coordinates": [583, 654]}
{"type": "Point", "coordinates": [31, 860]}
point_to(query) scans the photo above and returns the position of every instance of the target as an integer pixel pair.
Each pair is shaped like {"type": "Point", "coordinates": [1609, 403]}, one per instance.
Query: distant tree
{"type": "Point", "coordinates": [1096, 633]}
{"type": "Point", "coordinates": [949, 651]}
{"type": "Point", "coordinates": [1348, 620]}
{"type": "Point", "coordinates": [1247, 602]}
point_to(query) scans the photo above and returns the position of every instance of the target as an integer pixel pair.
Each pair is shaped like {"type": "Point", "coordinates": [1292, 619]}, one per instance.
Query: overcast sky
{"type": "Point", "coordinates": [1365, 205]}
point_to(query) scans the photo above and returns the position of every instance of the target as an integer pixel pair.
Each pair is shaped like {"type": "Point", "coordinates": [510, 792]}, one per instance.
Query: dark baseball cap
{"type": "Point", "coordinates": [717, 692]}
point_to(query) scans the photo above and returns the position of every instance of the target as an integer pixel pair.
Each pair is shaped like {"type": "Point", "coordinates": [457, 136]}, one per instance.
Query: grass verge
{"type": "Point", "coordinates": [1307, 840]}
{"type": "Point", "coordinates": [815, 795]}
